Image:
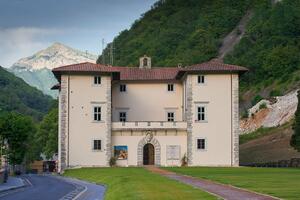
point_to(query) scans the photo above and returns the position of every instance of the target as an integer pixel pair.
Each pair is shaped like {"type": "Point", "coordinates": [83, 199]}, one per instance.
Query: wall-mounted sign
{"type": "Point", "coordinates": [121, 152]}
{"type": "Point", "coordinates": [173, 152]}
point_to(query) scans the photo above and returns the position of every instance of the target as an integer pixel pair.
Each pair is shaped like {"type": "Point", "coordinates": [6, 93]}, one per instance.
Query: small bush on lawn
{"type": "Point", "coordinates": [184, 161]}
{"type": "Point", "coordinates": [112, 161]}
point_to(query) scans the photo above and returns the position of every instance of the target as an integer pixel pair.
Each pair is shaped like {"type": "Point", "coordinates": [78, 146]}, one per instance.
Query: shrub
{"type": "Point", "coordinates": [275, 93]}
{"type": "Point", "coordinates": [245, 114]}
{"type": "Point", "coordinates": [256, 99]}
{"type": "Point", "coordinates": [262, 106]}
{"type": "Point", "coordinates": [295, 139]}
{"type": "Point", "coordinates": [112, 161]}
{"type": "Point", "coordinates": [184, 161]}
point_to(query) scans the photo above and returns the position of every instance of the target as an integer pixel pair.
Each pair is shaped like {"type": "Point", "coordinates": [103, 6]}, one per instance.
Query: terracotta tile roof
{"type": "Point", "coordinates": [134, 73]}
{"type": "Point", "coordinates": [215, 66]}
{"type": "Point", "coordinates": [126, 73]}
{"type": "Point", "coordinates": [84, 67]}
{"type": "Point", "coordinates": [163, 73]}
{"type": "Point", "coordinates": [212, 66]}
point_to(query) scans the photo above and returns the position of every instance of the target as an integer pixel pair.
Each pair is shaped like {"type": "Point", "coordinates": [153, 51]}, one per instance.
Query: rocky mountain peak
{"type": "Point", "coordinates": [54, 56]}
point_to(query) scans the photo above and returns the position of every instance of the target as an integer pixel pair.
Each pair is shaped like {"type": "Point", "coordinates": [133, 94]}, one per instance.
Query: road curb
{"type": "Point", "coordinates": [74, 194]}
{"type": "Point", "coordinates": [26, 183]}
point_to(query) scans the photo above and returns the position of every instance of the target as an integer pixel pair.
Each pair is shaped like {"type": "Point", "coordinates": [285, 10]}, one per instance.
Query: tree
{"type": "Point", "coordinates": [47, 135]}
{"type": "Point", "coordinates": [18, 130]}
{"type": "Point", "coordinates": [295, 140]}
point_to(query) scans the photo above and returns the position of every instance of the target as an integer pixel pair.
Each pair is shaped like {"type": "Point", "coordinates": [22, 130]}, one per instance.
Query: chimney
{"type": "Point", "coordinates": [145, 62]}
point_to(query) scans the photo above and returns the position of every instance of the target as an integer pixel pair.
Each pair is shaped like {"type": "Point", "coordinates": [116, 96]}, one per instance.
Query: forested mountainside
{"type": "Point", "coordinates": [191, 31]}
{"type": "Point", "coordinates": [177, 31]}
{"type": "Point", "coordinates": [270, 48]}
{"type": "Point", "coordinates": [18, 96]}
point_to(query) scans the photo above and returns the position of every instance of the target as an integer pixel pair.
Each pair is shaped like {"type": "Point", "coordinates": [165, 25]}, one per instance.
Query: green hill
{"type": "Point", "coordinates": [18, 96]}
{"type": "Point", "coordinates": [178, 31]}
{"type": "Point", "coordinates": [270, 48]}
{"type": "Point", "coordinates": [191, 31]}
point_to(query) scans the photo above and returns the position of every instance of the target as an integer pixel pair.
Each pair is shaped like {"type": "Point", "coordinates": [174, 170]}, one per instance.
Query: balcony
{"type": "Point", "coordinates": [179, 125]}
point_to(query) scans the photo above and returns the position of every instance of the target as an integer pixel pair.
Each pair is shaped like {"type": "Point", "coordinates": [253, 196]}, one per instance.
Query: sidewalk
{"type": "Point", "coordinates": [12, 183]}
{"type": "Point", "coordinates": [220, 190]}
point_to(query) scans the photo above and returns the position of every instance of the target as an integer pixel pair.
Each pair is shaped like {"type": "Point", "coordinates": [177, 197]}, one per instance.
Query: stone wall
{"type": "Point", "coordinates": [189, 119]}
{"type": "Point", "coordinates": [108, 122]}
{"type": "Point", "coordinates": [235, 120]}
{"type": "Point", "coordinates": [63, 123]}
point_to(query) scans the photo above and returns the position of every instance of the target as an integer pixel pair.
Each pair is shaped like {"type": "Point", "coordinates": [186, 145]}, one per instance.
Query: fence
{"type": "Point", "coordinates": [294, 162]}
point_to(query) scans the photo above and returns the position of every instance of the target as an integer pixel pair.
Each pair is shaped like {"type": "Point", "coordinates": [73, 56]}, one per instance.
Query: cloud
{"type": "Point", "coordinates": [19, 42]}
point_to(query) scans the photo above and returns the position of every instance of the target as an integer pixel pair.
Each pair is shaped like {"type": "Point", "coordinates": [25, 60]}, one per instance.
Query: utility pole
{"type": "Point", "coordinates": [111, 53]}
{"type": "Point", "coordinates": [103, 54]}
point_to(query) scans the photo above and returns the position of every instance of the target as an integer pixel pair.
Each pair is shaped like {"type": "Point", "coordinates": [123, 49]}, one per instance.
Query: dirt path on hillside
{"type": "Point", "coordinates": [234, 36]}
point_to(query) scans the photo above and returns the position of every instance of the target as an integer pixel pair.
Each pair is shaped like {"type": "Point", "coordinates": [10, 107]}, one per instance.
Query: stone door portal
{"type": "Point", "coordinates": [148, 154]}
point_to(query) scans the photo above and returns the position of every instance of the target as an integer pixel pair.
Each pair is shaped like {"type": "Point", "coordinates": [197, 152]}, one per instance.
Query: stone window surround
{"type": "Point", "coordinates": [92, 145]}
{"type": "Point", "coordinates": [97, 81]}
{"type": "Point", "coordinates": [205, 145]}
{"type": "Point", "coordinates": [170, 87]}
{"type": "Point", "coordinates": [205, 105]}
{"type": "Point", "coordinates": [201, 79]}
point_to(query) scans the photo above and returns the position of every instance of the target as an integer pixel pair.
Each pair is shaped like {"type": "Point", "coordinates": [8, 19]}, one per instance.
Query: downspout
{"type": "Point", "coordinates": [68, 163]}
{"type": "Point", "coordinates": [231, 119]}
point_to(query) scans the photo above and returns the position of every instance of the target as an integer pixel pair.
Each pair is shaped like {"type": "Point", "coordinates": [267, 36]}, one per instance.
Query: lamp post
{"type": "Point", "coordinates": [5, 142]}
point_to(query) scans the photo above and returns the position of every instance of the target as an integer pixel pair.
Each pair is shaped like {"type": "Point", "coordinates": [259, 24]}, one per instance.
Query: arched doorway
{"type": "Point", "coordinates": [148, 154]}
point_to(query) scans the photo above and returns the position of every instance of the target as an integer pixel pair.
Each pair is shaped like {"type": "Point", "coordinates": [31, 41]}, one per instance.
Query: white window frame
{"type": "Point", "coordinates": [97, 113]}
{"type": "Point", "coordinates": [168, 116]}
{"type": "Point", "coordinates": [120, 88]}
{"type": "Point", "coordinates": [205, 144]}
{"type": "Point", "coordinates": [120, 116]}
{"type": "Point", "coordinates": [173, 87]}
{"type": "Point", "coordinates": [96, 83]}
{"type": "Point", "coordinates": [204, 79]}
{"type": "Point", "coordinates": [93, 145]}
{"type": "Point", "coordinates": [205, 113]}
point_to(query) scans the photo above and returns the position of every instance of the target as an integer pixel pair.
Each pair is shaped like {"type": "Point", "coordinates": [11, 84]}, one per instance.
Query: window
{"type": "Point", "coordinates": [97, 113]}
{"type": "Point", "coordinates": [122, 116]}
{"type": "Point", "coordinates": [201, 79]}
{"type": "Point", "coordinates": [170, 117]}
{"type": "Point", "coordinates": [201, 144]}
{"type": "Point", "coordinates": [97, 80]}
{"type": "Point", "coordinates": [122, 88]}
{"type": "Point", "coordinates": [201, 116]}
{"type": "Point", "coordinates": [97, 145]}
{"type": "Point", "coordinates": [170, 87]}
{"type": "Point", "coordinates": [145, 62]}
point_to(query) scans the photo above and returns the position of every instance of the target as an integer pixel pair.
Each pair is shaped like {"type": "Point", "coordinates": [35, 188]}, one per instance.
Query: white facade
{"type": "Point", "coordinates": [197, 118]}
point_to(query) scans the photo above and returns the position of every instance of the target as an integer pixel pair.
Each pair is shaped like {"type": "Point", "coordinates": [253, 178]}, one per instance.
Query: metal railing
{"type": "Point", "coordinates": [150, 125]}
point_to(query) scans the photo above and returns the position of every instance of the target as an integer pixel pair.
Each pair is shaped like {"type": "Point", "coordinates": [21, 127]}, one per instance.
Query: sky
{"type": "Point", "coordinates": [27, 26]}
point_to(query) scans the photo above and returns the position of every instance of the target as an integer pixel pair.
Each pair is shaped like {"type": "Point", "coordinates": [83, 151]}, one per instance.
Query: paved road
{"type": "Point", "coordinates": [40, 188]}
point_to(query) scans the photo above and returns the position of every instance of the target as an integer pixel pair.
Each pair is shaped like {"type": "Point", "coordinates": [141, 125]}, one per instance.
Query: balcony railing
{"type": "Point", "coordinates": [149, 125]}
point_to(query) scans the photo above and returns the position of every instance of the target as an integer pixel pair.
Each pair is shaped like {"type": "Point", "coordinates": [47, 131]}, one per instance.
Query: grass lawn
{"type": "Point", "coordinates": [137, 183]}
{"type": "Point", "coordinates": [278, 182]}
